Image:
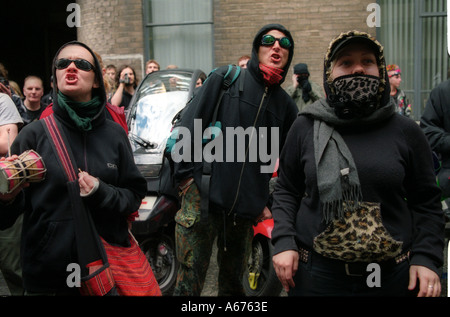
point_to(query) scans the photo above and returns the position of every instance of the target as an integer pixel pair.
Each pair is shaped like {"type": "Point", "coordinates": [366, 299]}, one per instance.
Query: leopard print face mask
{"type": "Point", "coordinates": [355, 96]}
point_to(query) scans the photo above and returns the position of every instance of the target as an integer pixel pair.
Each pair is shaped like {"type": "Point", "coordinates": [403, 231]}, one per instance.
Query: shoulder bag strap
{"type": "Point", "coordinates": [89, 246]}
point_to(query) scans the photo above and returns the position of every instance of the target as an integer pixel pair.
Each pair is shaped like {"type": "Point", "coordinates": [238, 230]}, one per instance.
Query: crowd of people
{"type": "Point", "coordinates": [356, 180]}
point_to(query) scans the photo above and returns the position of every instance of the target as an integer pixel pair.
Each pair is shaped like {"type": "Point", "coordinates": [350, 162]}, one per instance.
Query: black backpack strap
{"type": "Point", "coordinates": [229, 78]}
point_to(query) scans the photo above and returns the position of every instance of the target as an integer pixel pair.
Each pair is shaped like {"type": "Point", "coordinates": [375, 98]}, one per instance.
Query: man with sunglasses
{"type": "Point", "coordinates": [239, 190]}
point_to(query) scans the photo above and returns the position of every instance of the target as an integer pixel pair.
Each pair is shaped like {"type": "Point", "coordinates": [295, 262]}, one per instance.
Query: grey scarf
{"type": "Point", "coordinates": [337, 177]}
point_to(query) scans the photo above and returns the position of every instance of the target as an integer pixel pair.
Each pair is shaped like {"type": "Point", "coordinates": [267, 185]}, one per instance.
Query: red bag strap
{"type": "Point", "coordinates": [60, 148]}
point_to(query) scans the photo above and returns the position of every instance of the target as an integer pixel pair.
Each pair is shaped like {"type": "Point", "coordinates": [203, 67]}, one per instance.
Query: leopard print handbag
{"type": "Point", "coordinates": [359, 236]}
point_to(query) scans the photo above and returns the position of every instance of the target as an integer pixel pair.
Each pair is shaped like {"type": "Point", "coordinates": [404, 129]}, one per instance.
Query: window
{"type": "Point", "coordinates": [414, 35]}
{"type": "Point", "coordinates": [179, 32]}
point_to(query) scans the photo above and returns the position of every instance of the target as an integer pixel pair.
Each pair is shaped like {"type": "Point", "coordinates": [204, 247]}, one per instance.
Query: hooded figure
{"type": "Point", "coordinates": [345, 94]}
{"type": "Point", "coordinates": [254, 63]}
{"type": "Point", "coordinates": [255, 107]}
{"type": "Point", "coordinates": [356, 186]}
{"type": "Point", "coordinates": [101, 150]}
{"type": "Point", "coordinates": [82, 114]}
{"type": "Point", "coordinates": [303, 90]}
{"type": "Point", "coordinates": [114, 113]}
{"type": "Point", "coordinates": [237, 186]}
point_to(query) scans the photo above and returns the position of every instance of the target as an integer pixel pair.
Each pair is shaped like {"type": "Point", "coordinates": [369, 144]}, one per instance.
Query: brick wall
{"type": "Point", "coordinates": [114, 29]}
{"type": "Point", "coordinates": [312, 23]}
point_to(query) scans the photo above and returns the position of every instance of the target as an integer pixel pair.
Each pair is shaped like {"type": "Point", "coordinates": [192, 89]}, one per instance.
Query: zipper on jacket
{"type": "Point", "coordinates": [246, 151]}
{"type": "Point", "coordinates": [85, 151]}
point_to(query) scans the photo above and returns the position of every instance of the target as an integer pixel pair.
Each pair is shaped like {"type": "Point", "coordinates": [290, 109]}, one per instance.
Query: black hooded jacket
{"type": "Point", "coordinates": [435, 121]}
{"type": "Point", "coordinates": [236, 186]}
{"type": "Point", "coordinates": [48, 240]}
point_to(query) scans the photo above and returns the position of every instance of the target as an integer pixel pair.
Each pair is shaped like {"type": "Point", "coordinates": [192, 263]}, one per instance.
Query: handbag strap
{"type": "Point", "coordinates": [59, 146]}
{"type": "Point", "coordinates": [89, 246]}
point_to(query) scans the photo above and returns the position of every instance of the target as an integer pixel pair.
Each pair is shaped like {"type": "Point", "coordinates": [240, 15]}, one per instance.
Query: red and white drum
{"type": "Point", "coordinates": [29, 167]}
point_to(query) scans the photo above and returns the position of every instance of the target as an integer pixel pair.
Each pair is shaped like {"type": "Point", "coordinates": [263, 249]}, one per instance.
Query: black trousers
{"type": "Point", "coordinates": [319, 276]}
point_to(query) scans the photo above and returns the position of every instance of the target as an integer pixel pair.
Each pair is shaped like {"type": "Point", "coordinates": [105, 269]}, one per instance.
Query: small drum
{"type": "Point", "coordinates": [29, 167]}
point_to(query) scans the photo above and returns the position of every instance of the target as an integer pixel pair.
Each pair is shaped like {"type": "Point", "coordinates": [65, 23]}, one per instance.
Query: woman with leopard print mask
{"type": "Point", "coordinates": [357, 210]}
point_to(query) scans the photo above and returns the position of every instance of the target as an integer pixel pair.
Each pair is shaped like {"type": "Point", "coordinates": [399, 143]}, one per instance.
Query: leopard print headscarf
{"type": "Point", "coordinates": [383, 93]}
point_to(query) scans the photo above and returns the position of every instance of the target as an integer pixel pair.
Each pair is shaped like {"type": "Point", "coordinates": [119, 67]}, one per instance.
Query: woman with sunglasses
{"type": "Point", "coordinates": [239, 191]}
{"type": "Point", "coordinates": [110, 184]}
{"type": "Point", "coordinates": [357, 210]}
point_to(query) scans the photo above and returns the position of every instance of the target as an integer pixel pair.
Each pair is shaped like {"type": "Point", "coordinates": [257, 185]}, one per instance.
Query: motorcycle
{"type": "Point", "coordinates": [260, 278]}
{"type": "Point", "coordinates": [154, 230]}
{"type": "Point", "coordinates": [158, 98]}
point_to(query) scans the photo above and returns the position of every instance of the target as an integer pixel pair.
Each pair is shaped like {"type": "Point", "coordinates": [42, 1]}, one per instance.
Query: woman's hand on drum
{"type": "Point", "coordinates": [5, 198]}
{"type": "Point", "coordinates": [88, 183]}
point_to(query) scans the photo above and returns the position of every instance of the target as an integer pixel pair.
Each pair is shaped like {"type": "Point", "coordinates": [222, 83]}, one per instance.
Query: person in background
{"type": "Point", "coordinates": [126, 82]}
{"type": "Point", "coordinates": [243, 60]}
{"type": "Point", "coordinates": [151, 66]}
{"type": "Point", "coordinates": [111, 71]}
{"type": "Point", "coordinates": [6, 88]}
{"type": "Point", "coordinates": [15, 89]}
{"type": "Point", "coordinates": [110, 79]}
{"type": "Point", "coordinates": [200, 80]}
{"type": "Point", "coordinates": [303, 90]}
{"type": "Point", "coordinates": [33, 90]}
{"type": "Point", "coordinates": [356, 191]}
{"type": "Point", "coordinates": [395, 79]}
{"type": "Point", "coordinates": [10, 124]}
{"type": "Point", "coordinates": [435, 123]}
{"type": "Point", "coordinates": [48, 98]}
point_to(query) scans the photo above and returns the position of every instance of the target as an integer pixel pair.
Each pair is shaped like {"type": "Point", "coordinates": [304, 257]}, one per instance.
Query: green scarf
{"type": "Point", "coordinates": [337, 177]}
{"type": "Point", "coordinates": [81, 113]}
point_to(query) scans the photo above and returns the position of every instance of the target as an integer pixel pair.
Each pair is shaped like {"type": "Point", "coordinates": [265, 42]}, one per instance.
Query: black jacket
{"type": "Point", "coordinates": [393, 160]}
{"type": "Point", "coordinates": [435, 121]}
{"type": "Point", "coordinates": [48, 240]}
{"type": "Point", "coordinates": [237, 186]}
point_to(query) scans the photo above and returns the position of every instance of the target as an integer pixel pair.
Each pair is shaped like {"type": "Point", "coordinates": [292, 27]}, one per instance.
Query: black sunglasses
{"type": "Point", "coordinates": [82, 64]}
{"type": "Point", "coordinates": [269, 40]}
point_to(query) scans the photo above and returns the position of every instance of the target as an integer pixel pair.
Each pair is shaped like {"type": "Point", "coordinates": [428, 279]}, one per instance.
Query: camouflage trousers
{"type": "Point", "coordinates": [194, 242]}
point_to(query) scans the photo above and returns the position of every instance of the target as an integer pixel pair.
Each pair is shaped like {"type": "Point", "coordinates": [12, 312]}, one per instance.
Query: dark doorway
{"type": "Point", "coordinates": [32, 33]}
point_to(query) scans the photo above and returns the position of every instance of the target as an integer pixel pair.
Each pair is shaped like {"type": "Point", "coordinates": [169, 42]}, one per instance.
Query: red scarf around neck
{"type": "Point", "coordinates": [271, 75]}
